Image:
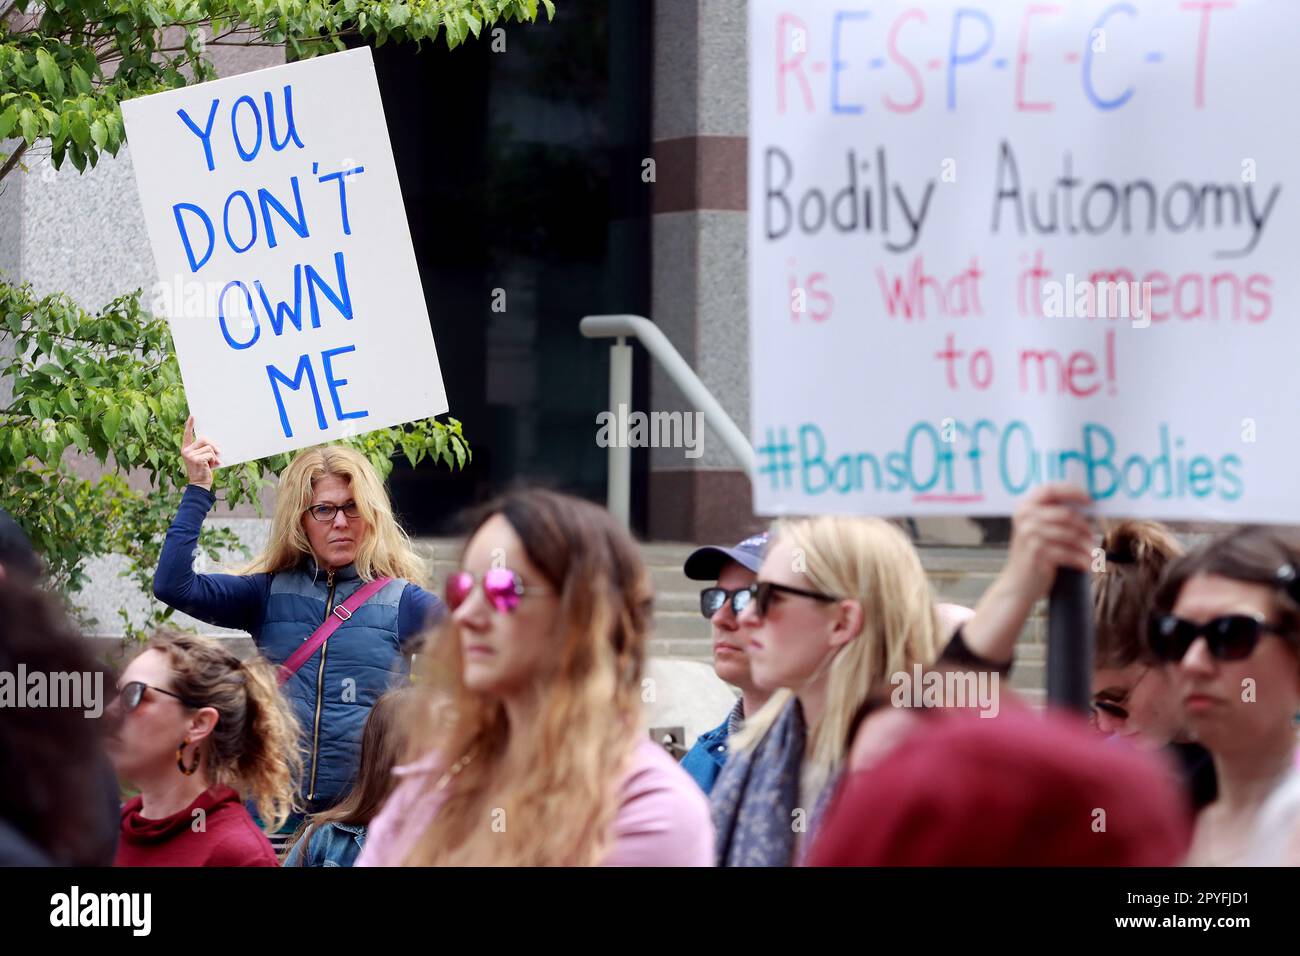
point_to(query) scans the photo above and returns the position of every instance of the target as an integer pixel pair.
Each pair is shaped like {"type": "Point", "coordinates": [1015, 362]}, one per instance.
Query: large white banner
{"type": "Point", "coordinates": [284, 258]}
{"type": "Point", "coordinates": [1002, 243]}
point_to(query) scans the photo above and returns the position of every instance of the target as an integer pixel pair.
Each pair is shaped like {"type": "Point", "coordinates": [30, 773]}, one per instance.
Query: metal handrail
{"type": "Point", "coordinates": [620, 393]}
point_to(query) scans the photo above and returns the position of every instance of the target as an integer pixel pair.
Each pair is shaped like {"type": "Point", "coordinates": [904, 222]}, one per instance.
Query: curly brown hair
{"type": "Point", "coordinates": [254, 746]}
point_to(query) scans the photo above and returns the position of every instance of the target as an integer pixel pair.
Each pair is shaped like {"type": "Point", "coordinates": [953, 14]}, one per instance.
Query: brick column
{"type": "Point", "coordinates": [699, 293]}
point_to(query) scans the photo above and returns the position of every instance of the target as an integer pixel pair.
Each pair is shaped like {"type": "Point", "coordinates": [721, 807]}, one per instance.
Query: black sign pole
{"type": "Point", "coordinates": [1070, 642]}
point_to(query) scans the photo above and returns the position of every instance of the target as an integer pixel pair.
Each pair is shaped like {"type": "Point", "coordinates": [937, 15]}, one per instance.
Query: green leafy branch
{"type": "Point", "coordinates": [67, 65]}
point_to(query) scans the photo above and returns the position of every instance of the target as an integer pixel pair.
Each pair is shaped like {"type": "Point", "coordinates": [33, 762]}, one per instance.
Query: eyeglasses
{"type": "Point", "coordinates": [713, 599]}
{"type": "Point", "coordinates": [327, 512]}
{"type": "Point", "coordinates": [1230, 638]}
{"type": "Point", "coordinates": [502, 587]}
{"type": "Point", "coordinates": [132, 693]}
{"type": "Point", "coordinates": [763, 591]}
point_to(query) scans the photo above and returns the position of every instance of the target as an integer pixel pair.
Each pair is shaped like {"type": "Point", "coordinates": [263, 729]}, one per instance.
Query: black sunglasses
{"type": "Point", "coordinates": [763, 591]}
{"type": "Point", "coordinates": [131, 694]}
{"type": "Point", "coordinates": [1230, 638]}
{"type": "Point", "coordinates": [713, 599]}
{"type": "Point", "coordinates": [327, 512]}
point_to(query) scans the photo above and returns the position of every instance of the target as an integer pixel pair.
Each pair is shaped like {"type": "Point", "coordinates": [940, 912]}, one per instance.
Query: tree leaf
{"type": "Point", "coordinates": [8, 120]}
{"type": "Point", "coordinates": [78, 436]}
{"type": "Point", "coordinates": [54, 450]}
{"type": "Point", "coordinates": [50, 74]}
{"type": "Point", "coordinates": [112, 419]}
{"type": "Point", "coordinates": [139, 416]}
{"type": "Point", "coordinates": [80, 133]}
{"type": "Point", "coordinates": [99, 133]}
{"type": "Point", "coordinates": [80, 80]}
{"type": "Point", "coordinates": [27, 121]}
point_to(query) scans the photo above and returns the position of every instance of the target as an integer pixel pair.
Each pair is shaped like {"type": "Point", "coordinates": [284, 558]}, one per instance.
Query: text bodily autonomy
{"type": "Point", "coordinates": [867, 200]}
{"type": "Point", "coordinates": [269, 216]}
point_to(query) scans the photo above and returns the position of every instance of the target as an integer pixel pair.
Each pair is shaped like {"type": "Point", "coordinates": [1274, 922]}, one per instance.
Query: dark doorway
{"type": "Point", "coordinates": [521, 176]}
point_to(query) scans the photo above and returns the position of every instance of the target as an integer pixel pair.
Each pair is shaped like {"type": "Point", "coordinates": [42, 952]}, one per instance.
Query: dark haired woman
{"type": "Point", "coordinates": [1227, 626]}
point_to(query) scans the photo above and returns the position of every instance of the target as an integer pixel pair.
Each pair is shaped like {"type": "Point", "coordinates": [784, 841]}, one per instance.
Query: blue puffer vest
{"type": "Point", "coordinates": [332, 692]}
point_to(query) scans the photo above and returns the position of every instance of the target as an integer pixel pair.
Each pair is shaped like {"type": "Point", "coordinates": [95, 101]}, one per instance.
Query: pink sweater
{"type": "Point", "coordinates": [662, 820]}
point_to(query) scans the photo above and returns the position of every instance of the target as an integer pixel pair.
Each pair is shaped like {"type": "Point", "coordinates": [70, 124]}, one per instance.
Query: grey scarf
{"type": "Point", "coordinates": [756, 797]}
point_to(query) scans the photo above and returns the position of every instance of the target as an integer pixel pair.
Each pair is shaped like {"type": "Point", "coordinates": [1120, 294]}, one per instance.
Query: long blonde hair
{"type": "Point", "coordinates": [871, 561]}
{"type": "Point", "coordinates": [254, 745]}
{"type": "Point", "coordinates": [559, 810]}
{"type": "Point", "coordinates": [385, 550]}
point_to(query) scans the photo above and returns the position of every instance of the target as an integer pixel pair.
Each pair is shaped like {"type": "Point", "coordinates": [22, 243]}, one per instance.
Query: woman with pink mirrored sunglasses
{"type": "Point", "coordinates": [532, 751]}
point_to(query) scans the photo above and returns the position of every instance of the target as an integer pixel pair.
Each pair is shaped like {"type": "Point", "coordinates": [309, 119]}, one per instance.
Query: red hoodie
{"type": "Point", "coordinates": [229, 837]}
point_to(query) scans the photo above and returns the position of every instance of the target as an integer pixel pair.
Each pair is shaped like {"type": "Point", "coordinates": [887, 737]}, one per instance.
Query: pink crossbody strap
{"type": "Point", "coordinates": [322, 634]}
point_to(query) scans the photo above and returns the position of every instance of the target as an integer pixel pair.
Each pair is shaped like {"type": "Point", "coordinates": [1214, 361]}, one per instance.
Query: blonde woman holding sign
{"type": "Point", "coordinates": [334, 598]}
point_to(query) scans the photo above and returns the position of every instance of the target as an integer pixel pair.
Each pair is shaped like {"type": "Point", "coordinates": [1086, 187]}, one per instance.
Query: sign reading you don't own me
{"type": "Point", "coordinates": [286, 267]}
{"type": "Point", "coordinates": [1003, 243]}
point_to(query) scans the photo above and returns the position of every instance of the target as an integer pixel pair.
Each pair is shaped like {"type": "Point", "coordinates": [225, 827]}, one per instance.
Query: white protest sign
{"type": "Point", "coordinates": [285, 262]}
{"type": "Point", "coordinates": [1002, 243]}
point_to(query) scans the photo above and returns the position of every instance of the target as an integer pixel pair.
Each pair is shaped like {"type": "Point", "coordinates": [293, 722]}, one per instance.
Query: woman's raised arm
{"type": "Point", "coordinates": [226, 600]}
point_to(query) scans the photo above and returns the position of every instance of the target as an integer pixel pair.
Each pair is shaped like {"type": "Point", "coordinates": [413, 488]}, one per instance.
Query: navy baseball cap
{"type": "Point", "coordinates": [705, 564]}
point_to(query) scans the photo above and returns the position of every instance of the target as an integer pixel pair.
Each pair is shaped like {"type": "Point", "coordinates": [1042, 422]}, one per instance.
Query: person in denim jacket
{"type": "Point", "coordinates": [732, 570]}
{"type": "Point", "coordinates": [328, 844]}
{"type": "Point", "coordinates": [335, 837]}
